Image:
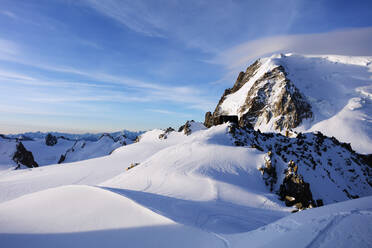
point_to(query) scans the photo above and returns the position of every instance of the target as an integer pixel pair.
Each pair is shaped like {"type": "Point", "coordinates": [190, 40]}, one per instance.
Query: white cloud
{"type": "Point", "coordinates": [133, 14]}
{"type": "Point", "coordinates": [355, 41]}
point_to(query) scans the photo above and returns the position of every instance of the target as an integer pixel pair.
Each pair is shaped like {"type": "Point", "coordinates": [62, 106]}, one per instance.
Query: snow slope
{"type": "Point", "coordinates": [346, 224]}
{"type": "Point", "coordinates": [83, 216]}
{"type": "Point", "coordinates": [339, 89]}
{"type": "Point", "coordinates": [93, 171]}
{"type": "Point", "coordinates": [189, 190]}
{"type": "Point", "coordinates": [7, 149]}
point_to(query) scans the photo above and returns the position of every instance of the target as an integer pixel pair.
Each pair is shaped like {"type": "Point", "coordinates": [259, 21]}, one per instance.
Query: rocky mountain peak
{"type": "Point", "coordinates": [270, 100]}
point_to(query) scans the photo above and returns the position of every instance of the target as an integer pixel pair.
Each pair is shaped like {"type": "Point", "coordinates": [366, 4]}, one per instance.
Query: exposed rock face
{"type": "Point", "coordinates": [186, 129]}
{"type": "Point", "coordinates": [50, 140]}
{"type": "Point", "coordinates": [210, 118]}
{"type": "Point", "coordinates": [320, 161]}
{"type": "Point", "coordinates": [22, 156]}
{"type": "Point", "coordinates": [271, 99]}
{"type": "Point", "coordinates": [287, 107]}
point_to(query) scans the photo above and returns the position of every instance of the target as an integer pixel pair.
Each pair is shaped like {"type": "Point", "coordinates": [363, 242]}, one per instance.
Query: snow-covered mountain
{"type": "Point", "coordinates": [213, 185]}
{"type": "Point", "coordinates": [197, 187]}
{"type": "Point", "coordinates": [327, 93]}
{"type": "Point", "coordinates": [47, 148]}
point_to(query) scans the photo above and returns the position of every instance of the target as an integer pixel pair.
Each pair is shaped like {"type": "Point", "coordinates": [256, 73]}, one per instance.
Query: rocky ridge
{"type": "Point", "coordinates": [319, 160]}
{"type": "Point", "coordinates": [272, 98]}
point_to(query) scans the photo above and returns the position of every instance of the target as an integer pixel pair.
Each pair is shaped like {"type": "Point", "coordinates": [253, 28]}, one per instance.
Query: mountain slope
{"type": "Point", "coordinates": [201, 188]}
{"type": "Point", "coordinates": [82, 216]}
{"type": "Point", "coordinates": [326, 93]}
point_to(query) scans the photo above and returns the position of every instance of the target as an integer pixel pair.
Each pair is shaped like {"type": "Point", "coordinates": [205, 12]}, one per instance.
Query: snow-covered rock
{"type": "Point", "coordinates": [326, 93]}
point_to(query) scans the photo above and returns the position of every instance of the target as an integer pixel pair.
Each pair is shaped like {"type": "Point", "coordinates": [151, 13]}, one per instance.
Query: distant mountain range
{"type": "Point", "coordinates": [55, 147]}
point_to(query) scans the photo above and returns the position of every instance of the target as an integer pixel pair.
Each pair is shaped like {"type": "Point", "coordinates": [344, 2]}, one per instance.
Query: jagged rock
{"type": "Point", "coordinates": [208, 121]}
{"type": "Point", "coordinates": [288, 109]}
{"type": "Point", "coordinates": [186, 128]}
{"type": "Point", "coordinates": [324, 156]}
{"type": "Point", "coordinates": [271, 98]}
{"type": "Point", "coordinates": [294, 190]}
{"type": "Point", "coordinates": [166, 132]}
{"type": "Point", "coordinates": [50, 140]}
{"type": "Point", "coordinates": [22, 156]}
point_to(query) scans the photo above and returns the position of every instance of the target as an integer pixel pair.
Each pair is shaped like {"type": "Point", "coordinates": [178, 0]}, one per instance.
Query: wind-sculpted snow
{"type": "Point", "coordinates": [82, 216]}
{"type": "Point", "coordinates": [346, 224]}
{"type": "Point", "coordinates": [196, 189]}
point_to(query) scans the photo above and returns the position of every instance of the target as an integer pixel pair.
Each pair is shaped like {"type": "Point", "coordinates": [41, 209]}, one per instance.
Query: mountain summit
{"type": "Point", "coordinates": [304, 93]}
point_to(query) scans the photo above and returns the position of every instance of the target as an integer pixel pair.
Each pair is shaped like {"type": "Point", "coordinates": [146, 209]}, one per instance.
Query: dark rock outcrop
{"type": "Point", "coordinates": [22, 156]}
{"type": "Point", "coordinates": [220, 119]}
{"type": "Point", "coordinates": [50, 140]}
{"type": "Point", "coordinates": [288, 108]}
{"type": "Point", "coordinates": [186, 129]}
{"type": "Point", "coordinates": [61, 159]}
{"type": "Point", "coordinates": [166, 132]}
{"type": "Point", "coordinates": [272, 97]}
{"type": "Point", "coordinates": [295, 191]}
{"type": "Point", "coordinates": [314, 155]}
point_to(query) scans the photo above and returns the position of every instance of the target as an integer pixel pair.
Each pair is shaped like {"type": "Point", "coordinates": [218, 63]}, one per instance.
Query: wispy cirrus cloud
{"type": "Point", "coordinates": [114, 88]}
{"type": "Point", "coordinates": [167, 112]}
{"type": "Point", "coordinates": [133, 14]}
{"type": "Point", "coordinates": [199, 24]}
{"type": "Point", "coordinates": [356, 41]}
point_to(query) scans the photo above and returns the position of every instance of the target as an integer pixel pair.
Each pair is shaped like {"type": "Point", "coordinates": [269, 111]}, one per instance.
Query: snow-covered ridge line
{"type": "Point", "coordinates": [55, 149]}
{"type": "Point", "coordinates": [70, 136]}
{"type": "Point", "coordinates": [327, 93]}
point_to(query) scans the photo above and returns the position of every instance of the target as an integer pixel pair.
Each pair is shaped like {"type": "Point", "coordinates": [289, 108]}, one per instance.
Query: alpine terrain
{"type": "Point", "coordinates": [283, 161]}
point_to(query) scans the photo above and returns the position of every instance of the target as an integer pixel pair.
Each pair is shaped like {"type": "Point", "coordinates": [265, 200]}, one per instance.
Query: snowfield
{"type": "Point", "coordinates": [196, 190]}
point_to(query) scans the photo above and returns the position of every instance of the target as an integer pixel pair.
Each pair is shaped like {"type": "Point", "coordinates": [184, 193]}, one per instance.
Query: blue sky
{"type": "Point", "coordinates": [107, 65]}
